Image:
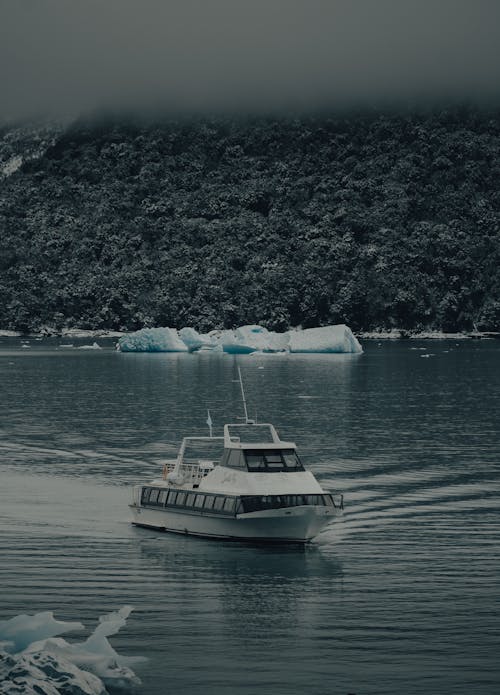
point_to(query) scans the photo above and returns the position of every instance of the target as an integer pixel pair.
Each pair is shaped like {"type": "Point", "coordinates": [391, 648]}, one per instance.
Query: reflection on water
{"type": "Point", "coordinates": [400, 595]}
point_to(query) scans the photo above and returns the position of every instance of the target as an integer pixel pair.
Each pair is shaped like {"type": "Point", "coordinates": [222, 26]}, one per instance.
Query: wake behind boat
{"type": "Point", "coordinates": [256, 490]}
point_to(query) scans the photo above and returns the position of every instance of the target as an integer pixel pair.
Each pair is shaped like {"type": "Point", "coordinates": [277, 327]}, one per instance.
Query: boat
{"type": "Point", "coordinates": [255, 489]}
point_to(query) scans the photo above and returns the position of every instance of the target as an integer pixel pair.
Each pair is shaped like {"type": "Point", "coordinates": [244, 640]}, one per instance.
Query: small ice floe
{"type": "Point", "coordinates": [68, 345]}
{"type": "Point", "coordinates": [430, 354]}
{"type": "Point", "coordinates": [25, 347]}
{"type": "Point", "coordinates": [94, 346]}
{"type": "Point", "coordinates": [34, 660]}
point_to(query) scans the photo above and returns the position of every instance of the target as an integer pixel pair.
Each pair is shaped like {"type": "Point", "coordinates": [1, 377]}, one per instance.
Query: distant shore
{"type": "Point", "coordinates": [403, 334]}
{"type": "Point", "coordinates": [393, 334]}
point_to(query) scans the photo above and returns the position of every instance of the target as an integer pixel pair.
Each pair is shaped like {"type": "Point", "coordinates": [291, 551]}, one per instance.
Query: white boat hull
{"type": "Point", "coordinates": [296, 524]}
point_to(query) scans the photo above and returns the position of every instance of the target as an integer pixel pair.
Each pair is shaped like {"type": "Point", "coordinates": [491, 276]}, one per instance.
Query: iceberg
{"type": "Point", "coordinates": [243, 340]}
{"type": "Point", "coordinates": [34, 660]}
{"type": "Point", "coordinates": [18, 633]}
{"type": "Point", "coordinates": [337, 339]}
{"type": "Point", "coordinates": [247, 339]}
{"type": "Point", "coordinates": [196, 341]}
{"type": "Point", "coordinates": [152, 340]}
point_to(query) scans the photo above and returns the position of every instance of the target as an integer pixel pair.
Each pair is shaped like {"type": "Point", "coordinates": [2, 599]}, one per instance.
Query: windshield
{"type": "Point", "coordinates": [272, 460]}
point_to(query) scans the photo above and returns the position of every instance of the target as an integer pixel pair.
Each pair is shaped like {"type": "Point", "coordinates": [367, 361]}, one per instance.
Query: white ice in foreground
{"type": "Point", "coordinates": [243, 340]}
{"type": "Point", "coordinates": [33, 660]}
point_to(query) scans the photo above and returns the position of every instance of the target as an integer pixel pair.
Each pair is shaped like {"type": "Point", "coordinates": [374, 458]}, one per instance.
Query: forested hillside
{"type": "Point", "coordinates": [375, 220]}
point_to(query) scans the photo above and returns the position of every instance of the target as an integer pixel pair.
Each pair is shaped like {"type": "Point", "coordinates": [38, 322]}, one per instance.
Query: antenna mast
{"type": "Point", "coordinates": [247, 421]}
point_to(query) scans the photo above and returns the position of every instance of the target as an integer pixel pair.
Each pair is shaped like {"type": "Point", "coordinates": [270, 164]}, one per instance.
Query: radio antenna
{"type": "Point", "coordinates": [247, 421]}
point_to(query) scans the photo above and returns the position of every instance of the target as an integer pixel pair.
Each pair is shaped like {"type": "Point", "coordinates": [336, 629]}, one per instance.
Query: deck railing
{"type": "Point", "coordinates": [190, 472]}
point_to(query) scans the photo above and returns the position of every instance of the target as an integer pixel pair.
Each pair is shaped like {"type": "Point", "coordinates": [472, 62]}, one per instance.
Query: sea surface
{"type": "Point", "coordinates": [400, 596]}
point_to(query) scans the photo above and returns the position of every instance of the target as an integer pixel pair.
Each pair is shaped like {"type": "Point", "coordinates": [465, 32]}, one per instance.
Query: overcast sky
{"type": "Point", "coordinates": [74, 55]}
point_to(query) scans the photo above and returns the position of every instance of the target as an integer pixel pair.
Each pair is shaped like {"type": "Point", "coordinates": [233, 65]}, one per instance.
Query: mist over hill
{"type": "Point", "coordinates": [372, 219]}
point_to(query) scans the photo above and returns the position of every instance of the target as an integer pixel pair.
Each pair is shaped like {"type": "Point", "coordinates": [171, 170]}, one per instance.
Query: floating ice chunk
{"type": "Point", "coordinates": [50, 665]}
{"type": "Point", "coordinates": [94, 346]}
{"type": "Point", "coordinates": [238, 342]}
{"type": "Point", "coordinates": [152, 340]}
{"type": "Point", "coordinates": [325, 339]}
{"type": "Point", "coordinates": [229, 343]}
{"type": "Point", "coordinates": [264, 340]}
{"type": "Point", "coordinates": [243, 340]}
{"type": "Point", "coordinates": [196, 341]}
{"type": "Point", "coordinates": [19, 632]}
{"type": "Point", "coordinates": [247, 339]}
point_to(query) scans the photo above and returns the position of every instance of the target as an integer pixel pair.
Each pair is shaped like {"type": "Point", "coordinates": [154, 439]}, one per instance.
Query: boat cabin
{"type": "Point", "coordinates": [258, 449]}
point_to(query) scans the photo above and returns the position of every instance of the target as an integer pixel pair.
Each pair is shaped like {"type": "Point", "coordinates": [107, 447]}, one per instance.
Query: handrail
{"type": "Point", "coordinates": [192, 471]}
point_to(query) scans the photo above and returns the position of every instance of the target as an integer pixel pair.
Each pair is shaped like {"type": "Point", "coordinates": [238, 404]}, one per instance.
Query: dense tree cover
{"type": "Point", "coordinates": [376, 220]}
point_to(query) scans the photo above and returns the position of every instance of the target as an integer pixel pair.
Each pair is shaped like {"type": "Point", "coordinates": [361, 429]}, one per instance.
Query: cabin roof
{"type": "Point", "coordinates": [252, 435]}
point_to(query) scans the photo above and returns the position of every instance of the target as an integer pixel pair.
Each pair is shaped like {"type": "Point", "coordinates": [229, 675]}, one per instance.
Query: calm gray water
{"type": "Point", "coordinates": [401, 596]}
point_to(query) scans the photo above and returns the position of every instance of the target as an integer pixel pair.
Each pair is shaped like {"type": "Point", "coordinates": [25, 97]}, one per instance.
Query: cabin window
{"type": "Point", "coordinates": [209, 500]}
{"type": "Point", "coordinates": [272, 460]}
{"type": "Point", "coordinates": [190, 500]}
{"type": "Point", "coordinates": [180, 500]}
{"type": "Point", "coordinates": [292, 461]}
{"type": "Point", "coordinates": [229, 505]}
{"type": "Point", "coordinates": [199, 500]}
{"type": "Point", "coordinates": [153, 496]}
{"type": "Point", "coordinates": [313, 499]}
{"type": "Point", "coordinates": [144, 495]}
{"type": "Point", "coordinates": [255, 462]}
{"type": "Point", "coordinates": [235, 459]}
{"type": "Point", "coordinates": [172, 494]}
{"type": "Point", "coordinates": [219, 503]}
{"type": "Point", "coordinates": [255, 504]}
{"type": "Point", "coordinates": [162, 497]}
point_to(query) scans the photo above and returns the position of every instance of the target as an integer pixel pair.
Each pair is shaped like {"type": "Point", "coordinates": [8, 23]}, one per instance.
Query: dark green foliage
{"type": "Point", "coordinates": [376, 221]}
